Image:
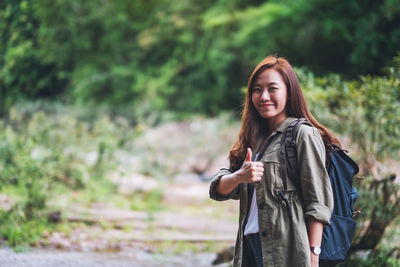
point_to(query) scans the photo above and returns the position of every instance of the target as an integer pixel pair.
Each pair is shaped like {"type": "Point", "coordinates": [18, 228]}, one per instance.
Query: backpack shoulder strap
{"type": "Point", "coordinates": [288, 153]}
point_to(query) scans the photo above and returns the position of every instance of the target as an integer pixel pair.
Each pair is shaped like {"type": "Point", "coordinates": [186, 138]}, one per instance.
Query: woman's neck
{"type": "Point", "coordinates": [273, 123]}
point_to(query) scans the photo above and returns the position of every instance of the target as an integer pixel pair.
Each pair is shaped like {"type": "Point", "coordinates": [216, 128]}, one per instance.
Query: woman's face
{"type": "Point", "coordinates": [269, 96]}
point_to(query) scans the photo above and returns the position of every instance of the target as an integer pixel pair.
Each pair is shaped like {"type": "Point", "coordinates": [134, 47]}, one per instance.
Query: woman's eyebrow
{"type": "Point", "coordinates": [271, 83]}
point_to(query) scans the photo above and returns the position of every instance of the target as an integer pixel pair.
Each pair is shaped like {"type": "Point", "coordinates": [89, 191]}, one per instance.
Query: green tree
{"type": "Point", "coordinates": [23, 70]}
{"type": "Point", "coordinates": [191, 57]}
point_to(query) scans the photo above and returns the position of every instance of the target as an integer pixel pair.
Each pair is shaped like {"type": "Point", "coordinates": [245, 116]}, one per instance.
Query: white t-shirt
{"type": "Point", "coordinates": [252, 221]}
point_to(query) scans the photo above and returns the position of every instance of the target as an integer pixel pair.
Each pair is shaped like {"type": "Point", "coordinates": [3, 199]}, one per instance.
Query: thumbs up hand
{"type": "Point", "coordinates": [250, 172]}
{"type": "Point", "coordinates": [249, 154]}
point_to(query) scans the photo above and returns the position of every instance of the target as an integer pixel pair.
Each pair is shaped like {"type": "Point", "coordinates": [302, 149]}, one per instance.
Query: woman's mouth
{"type": "Point", "coordinates": [266, 105]}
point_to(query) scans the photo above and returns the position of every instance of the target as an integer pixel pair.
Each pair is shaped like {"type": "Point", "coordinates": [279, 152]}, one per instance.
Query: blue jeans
{"type": "Point", "coordinates": [255, 244]}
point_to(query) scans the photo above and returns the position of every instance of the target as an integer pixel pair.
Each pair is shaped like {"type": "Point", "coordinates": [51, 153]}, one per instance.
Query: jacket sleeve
{"type": "Point", "coordinates": [235, 194]}
{"type": "Point", "coordinates": [314, 180]}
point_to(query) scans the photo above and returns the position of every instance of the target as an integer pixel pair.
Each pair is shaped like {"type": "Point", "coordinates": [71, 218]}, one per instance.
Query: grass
{"type": "Point", "coordinates": [147, 201]}
{"type": "Point", "coordinates": [20, 232]}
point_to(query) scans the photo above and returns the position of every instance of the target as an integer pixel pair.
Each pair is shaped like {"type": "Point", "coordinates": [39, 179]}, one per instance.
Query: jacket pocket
{"type": "Point", "coordinates": [271, 156]}
{"type": "Point", "coordinates": [273, 178]}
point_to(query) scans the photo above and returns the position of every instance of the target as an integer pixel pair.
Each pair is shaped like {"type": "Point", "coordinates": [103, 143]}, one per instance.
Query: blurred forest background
{"type": "Point", "coordinates": [119, 103]}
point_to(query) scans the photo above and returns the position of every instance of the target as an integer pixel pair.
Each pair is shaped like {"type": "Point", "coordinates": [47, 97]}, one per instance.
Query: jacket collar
{"type": "Point", "coordinates": [280, 129]}
{"type": "Point", "coordinates": [284, 124]}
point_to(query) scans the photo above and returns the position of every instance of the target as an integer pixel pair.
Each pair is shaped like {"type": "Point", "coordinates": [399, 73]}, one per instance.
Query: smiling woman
{"type": "Point", "coordinates": [279, 224]}
{"type": "Point", "coordinates": [269, 97]}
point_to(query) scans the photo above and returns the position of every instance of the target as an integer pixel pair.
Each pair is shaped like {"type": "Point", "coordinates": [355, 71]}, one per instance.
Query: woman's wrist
{"type": "Point", "coordinates": [228, 183]}
{"type": "Point", "coordinates": [235, 177]}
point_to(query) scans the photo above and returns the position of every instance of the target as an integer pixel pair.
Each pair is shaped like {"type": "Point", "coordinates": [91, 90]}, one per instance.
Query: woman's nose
{"type": "Point", "coordinates": [265, 95]}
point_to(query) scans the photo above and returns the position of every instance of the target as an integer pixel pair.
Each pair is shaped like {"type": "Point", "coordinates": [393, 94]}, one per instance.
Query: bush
{"type": "Point", "coordinates": [40, 151]}
{"type": "Point", "coordinates": [367, 111]}
{"type": "Point", "coordinates": [188, 58]}
{"type": "Point", "coordinates": [23, 71]}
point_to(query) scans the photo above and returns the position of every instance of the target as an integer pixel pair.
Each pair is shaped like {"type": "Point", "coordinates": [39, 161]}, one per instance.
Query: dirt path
{"type": "Point", "coordinates": [187, 235]}
{"type": "Point", "coordinates": [127, 257]}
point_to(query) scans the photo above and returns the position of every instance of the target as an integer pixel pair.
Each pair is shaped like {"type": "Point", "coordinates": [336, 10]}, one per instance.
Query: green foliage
{"type": "Point", "coordinates": [54, 157]}
{"type": "Point", "coordinates": [366, 110]}
{"type": "Point", "coordinates": [383, 257]}
{"type": "Point", "coordinates": [23, 70]}
{"type": "Point", "coordinates": [147, 201]}
{"type": "Point", "coordinates": [193, 57]}
{"type": "Point", "coordinates": [375, 218]}
{"type": "Point", "coordinates": [19, 230]}
{"type": "Point", "coordinates": [38, 152]}
{"type": "Point", "coordinates": [331, 35]}
{"type": "Point", "coordinates": [20, 169]}
{"type": "Point", "coordinates": [385, 210]}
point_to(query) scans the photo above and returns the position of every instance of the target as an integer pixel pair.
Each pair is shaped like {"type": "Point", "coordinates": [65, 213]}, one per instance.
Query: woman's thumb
{"type": "Point", "coordinates": [249, 154]}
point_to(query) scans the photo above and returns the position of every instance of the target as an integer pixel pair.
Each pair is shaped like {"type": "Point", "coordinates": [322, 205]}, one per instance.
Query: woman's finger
{"type": "Point", "coordinates": [257, 164]}
{"type": "Point", "coordinates": [259, 169]}
{"type": "Point", "coordinates": [259, 174]}
{"type": "Point", "coordinates": [256, 179]}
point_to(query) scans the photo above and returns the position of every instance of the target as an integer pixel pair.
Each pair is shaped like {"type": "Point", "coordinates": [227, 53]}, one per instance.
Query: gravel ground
{"type": "Point", "coordinates": [130, 257]}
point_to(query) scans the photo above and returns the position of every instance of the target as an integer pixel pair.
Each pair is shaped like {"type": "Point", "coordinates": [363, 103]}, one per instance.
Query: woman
{"type": "Point", "coordinates": [267, 235]}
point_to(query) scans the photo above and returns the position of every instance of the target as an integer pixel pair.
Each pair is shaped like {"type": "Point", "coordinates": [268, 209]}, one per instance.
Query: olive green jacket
{"type": "Point", "coordinates": [284, 241]}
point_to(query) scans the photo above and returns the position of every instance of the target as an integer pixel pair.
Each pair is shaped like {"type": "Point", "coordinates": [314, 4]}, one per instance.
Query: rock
{"type": "Point", "coordinates": [224, 255]}
{"type": "Point", "coordinates": [54, 216]}
{"type": "Point", "coordinates": [218, 163]}
{"type": "Point", "coordinates": [186, 178]}
{"type": "Point", "coordinates": [196, 193]}
{"type": "Point", "coordinates": [59, 240]}
{"type": "Point", "coordinates": [134, 182]}
{"type": "Point", "coordinates": [200, 164]}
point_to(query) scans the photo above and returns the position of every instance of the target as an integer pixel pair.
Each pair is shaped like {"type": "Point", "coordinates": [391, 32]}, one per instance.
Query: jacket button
{"type": "Point", "coordinates": [261, 206]}
{"type": "Point", "coordinates": [263, 234]}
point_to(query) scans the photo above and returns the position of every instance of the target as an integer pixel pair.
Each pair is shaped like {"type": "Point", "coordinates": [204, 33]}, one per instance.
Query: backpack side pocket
{"type": "Point", "coordinates": [336, 239]}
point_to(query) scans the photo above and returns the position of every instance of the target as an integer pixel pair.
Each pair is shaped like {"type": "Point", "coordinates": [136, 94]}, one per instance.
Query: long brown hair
{"type": "Point", "coordinates": [253, 125]}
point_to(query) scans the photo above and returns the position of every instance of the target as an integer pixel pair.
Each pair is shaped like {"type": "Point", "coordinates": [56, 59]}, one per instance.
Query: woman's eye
{"type": "Point", "coordinates": [273, 88]}
{"type": "Point", "coordinates": [256, 90]}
